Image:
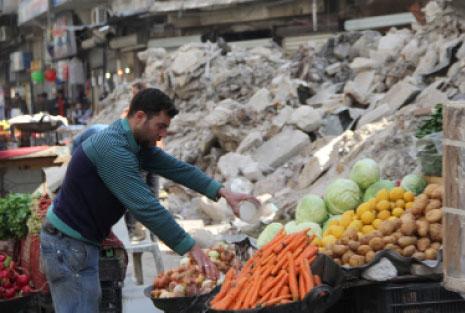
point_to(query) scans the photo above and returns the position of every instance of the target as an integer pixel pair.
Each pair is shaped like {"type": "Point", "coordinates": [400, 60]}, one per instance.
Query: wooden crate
{"type": "Point", "coordinates": [454, 201]}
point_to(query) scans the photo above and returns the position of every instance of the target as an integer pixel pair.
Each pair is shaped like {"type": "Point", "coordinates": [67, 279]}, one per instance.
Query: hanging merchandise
{"type": "Point", "coordinates": [50, 75]}
{"type": "Point", "coordinates": [63, 70]}
{"type": "Point", "coordinates": [76, 72]}
{"type": "Point", "coordinates": [37, 77]}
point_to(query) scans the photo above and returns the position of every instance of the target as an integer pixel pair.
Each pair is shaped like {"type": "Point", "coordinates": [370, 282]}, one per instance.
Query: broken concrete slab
{"type": "Point", "coordinates": [251, 171]}
{"type": "Point", "coordinates": [251, 141]}
{"type": "Point", "coordinates": [240, 185]}
{"type": "Point", "coordinates": [362, 64]}
{"type": "Point", "coordinates": [306, 118]}
{"type": "Point", "coordinates": [280, 148]}
{"type": "Point", "coordinates": [326, 92]}
{"type": "Point", "coordinates": [400, 94]}
{"type": "Point", "coordinates": [260, 100]}
{"type": "Point", "coordinates": [333, 68]}
{"type": "Point", "coordinates": [361, 88]}
{"type": "Point", "coordinates": [229, 164]}
{"type": "Point", "coordinates": [187, 61]}
{"type": "Point", "coordinates": [321, 161]}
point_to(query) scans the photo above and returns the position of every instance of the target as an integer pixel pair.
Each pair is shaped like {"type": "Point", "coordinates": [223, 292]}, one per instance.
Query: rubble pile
{"type": "Point", "coordinates": [264, 124]}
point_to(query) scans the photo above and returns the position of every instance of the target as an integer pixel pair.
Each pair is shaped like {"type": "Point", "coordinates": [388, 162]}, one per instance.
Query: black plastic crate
{"type": "Point", "coordinates": [429, 297]}
{"type": "Point", "coordinates": [112, 297]}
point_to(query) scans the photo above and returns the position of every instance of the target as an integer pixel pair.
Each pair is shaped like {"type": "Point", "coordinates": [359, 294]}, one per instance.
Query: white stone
{"type": "Point", "coordinates": [252, 140]}
{"type": "Point", "coordinates": [186, 62]}
{"type": "Point", "coordinates": [282, 118]}
{"type": "Point", "coordinates": [229, 164]}
{"type": "Point", "coordinates": [362, 64]}
{"type": "Point", "coordinates": [306, 118]}
{"type": "Point", "coordinates": [280, 148]}
{"type": "Point", "coordinates": [333, 68]}
{"type": "Point", "coordinates": [251, 171]}
{"type": "Point", "coordinates": [240, 185]}
{"type": "Point", "coordinates": [260, 100]}
{"type": "Point", "coordinates": [361, 87]}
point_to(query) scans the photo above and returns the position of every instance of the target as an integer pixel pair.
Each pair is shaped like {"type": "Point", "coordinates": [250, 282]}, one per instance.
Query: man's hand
{"type": "Point", "coordinates": [234, 199]}
{"type": "Point", "coordinates": [208, 267]}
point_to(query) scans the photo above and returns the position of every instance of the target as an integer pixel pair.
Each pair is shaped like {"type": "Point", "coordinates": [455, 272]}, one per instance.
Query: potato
{"type": "Point", "coordinates": [434, 216]}
{"type": "Point", "coordinates": [423, 244]}
{"type": "Point", "coordinates": [407, 217]}
{"type": "Point", "coordinates": [429, 189]}
{"type": "Point", "coordinates": [339, 250]}
{"type": "Point", "coordinates": [397, 235]}
{"type": "Point", "coordinates": [346, 257]}
{"type": "Point", "coordinates": [435, 232]}
{"type": "Point", "coordinates": [436, 245]}
{"type": "Point", "coordinates": [433, 204]}
{"type": "Point", "coordinates": [363, 249]}
{"type": "Point", "coordinates": [422, 228]}
{"type": "Point", "coordinates": [391, 246]}
{"type": "Point", "coordinates": [408, 251]}
{"type": "Point", "coordinates": [418, 206]}
{"type": "Point", "coordinates": [337, 261]}
{"type": "Point", "coordinates": [431, 254]}
{"type": "Point", "coordinates": [376, 244]}
{"type": "Point", "coordinates": [408, 227]}
{"type": "Point", "coordinates": [369, 256]}
{"type": "Point", "coordinates": [386, 228]}
{"type": "Point", "coordinates": [356, 260]}
{"type": "Point", "coordinates": [420, 256]}
{"type": "Point", "coordinates": [438, 193]}
{"type": "Point", "coordinates": [389, 239]}
{"type": "Point", "coordinates": [350, 234]}
{"type": "Point", "coordinates": [405, 241]}
{"type": "Point", "coordinates": [421, 197]}
{"type": "Point", "coordinates": [353, 245]}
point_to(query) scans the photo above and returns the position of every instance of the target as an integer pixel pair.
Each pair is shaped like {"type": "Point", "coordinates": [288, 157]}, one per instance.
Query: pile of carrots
{"type": "Point", "coordinates": [278, 273]}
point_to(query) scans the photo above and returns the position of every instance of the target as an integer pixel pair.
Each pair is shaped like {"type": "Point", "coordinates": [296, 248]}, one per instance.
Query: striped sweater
{"type": "Point", "coordinates": [102, 180]}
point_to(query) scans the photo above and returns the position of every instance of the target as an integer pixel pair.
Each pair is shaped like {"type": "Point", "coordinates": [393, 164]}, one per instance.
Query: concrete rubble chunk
{"type": "Point", "coordinates": [251, 171]}
{"type": "Point", "coordinates": [240, 185]}
{"type": "Point", "coordinates": [306, 118]}
{"type": "Point", "coordinates": [260, 100]}
{"type": "Point", "coordinates": [251, 141]}
{"type": "Point", "coordinates": [333, 68]}
{"type": "Point", "coordinates": [188, 61]}
{"type": "Point", "coordinates": [326, 92]}
{"type": "Point", "coordinates": [399, 95]}
{"type": "Point", "coordinates": [229, 164]}
{"type": "Point", "coordinates": [361, 88]}
{"type": "Point", "coordinates": [283, 117]}
{"type": "Point", "coordinates": [217, 211]}
{"type": "Point", "coordinates": [320, 162]}
{"type": "Point", "coordinates": [280, 148]}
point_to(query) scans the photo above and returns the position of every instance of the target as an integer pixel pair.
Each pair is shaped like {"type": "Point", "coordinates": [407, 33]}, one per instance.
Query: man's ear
{"type": "Point", "coordinates": [140, 115]}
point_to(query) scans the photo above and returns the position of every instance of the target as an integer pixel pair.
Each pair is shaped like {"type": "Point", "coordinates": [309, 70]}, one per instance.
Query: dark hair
{"type": "Point", "coordinates": [152, 101]}
{"type": "Point", "coordinates": [138, 85]}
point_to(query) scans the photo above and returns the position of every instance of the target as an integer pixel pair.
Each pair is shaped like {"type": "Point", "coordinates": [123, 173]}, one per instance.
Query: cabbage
{"type": "Point", "coordinates": [294, 227]}
{"type": "Point", "coordinates": [331, 218]}
{"type": "Point", "coordinates": [413, 183]}
{"type": "Point", "coordinates": [373, 189]}
{"type": "Point", "coordinates": [311, 208]}
{"type": "Point", "coordinates": [268, 234]}
{"type": "Point", "coordinates": [342, 195]}
{"type": "Point", "coordinates": [365, 172]}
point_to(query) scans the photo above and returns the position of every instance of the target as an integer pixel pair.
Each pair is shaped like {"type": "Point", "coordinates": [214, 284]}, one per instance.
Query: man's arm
{"type": "Point", "coordinates": [157, 161]}
{"type": "Point", "coordinates": [119, 170]}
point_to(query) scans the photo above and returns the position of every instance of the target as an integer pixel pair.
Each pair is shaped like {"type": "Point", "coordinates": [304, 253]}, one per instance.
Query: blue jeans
{"type": "Point", "coordinates": [71, 268]}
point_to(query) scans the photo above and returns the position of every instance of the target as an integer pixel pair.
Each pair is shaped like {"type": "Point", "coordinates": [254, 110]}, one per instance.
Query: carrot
{"type": "Point", "coordinates": [224, 303]}
{"type": "Point", "coordinates": [240, 299]}
{"type": "Point", "coordinates": [302, 287]}
{"type": "Point", "coordinates": [317, 280]}
{"type": "Point", "coordinates": [227, 283]}
{"type": "Point", "coordinates": [278, 266]}
{"type": "Point", "coordinates": [280, 284]}
{"type": "Point", "coordinates": [276, 300]}
{"type": "Point", "coordinates": [284, 291]}
{"type": "Point", "coordinates": [269, 259]}
{"type": "Point", "coordinates": [250, 294]}
{"type": "Point", "coordinates": [254, 291]}
{"type": "Point", "coordinates": [292, 278]}
{"type": "Point", "coordinates": [310, 251]}
{"type": "Point", "coordinates": [308, 275]}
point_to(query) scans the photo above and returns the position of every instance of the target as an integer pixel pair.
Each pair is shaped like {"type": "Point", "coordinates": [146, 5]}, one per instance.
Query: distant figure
{"type": "Point", "coordinates": [41, 103]}
{"type": "Point", "coordinates": [18, 106]}
{"type": "Point", "coordinates": [61, 103]}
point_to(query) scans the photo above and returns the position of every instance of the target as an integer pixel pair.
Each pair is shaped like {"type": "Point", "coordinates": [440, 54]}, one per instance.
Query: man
{"type": "Point", "coordinates": [42, 103]}
{"type": "Point", "coordinates": [101, 181]}
{"type": "Point", "coordinates": [61, 104]}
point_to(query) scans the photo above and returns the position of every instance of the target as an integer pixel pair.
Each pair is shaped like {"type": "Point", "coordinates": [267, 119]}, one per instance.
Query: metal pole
{"type": "Point", "coordinates": [315, 15]}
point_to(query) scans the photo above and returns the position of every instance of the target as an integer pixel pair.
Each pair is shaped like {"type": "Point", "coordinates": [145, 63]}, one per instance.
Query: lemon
{"type": "Point", "coordinates": [376, 223]}
{"type": "Point", "coordinates": [368, 229]}
{"type": "Point", "coordinates": [397, 212]}
{"type": "Point", "coordinates": [345, 220]}
{"type": "Point", "coordinates": [384, 215]}
{"type": "Point", "coordinates": [409, 196]}
{"type": "Point", "coordinates": [367, 217]}
{"type": "Point", "coordinates": [372, 203]}
{"type": "Point", "coordinates": [400, 203]}
{"type": "Point", "coordinates": [327, 240]}
{"type": "Point", "coordinates": [393, 204]}
{"type": "Point", "coordinates": [362, 208]}
{"type": "Point", "coordinates": [356, 224]}
{"type": "Point", "coordinates": [409, 205]}
{"type": "Point", "coordinates": [383, 194]}
{"type": "Point", "coordinates": [336, 231]}
{"type": "Point", "coordinates": [396, 193]}
{"type": "Point", "coordinates": [383, 205]}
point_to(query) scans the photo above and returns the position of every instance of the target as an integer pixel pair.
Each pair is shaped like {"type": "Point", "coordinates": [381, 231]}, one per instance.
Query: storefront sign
{"type": "Point", "coordinates": [64, 40]}
{"type": "Point", "coordinates": [28, 9]}
{"type": "Point", "coordinates": [20, 61]}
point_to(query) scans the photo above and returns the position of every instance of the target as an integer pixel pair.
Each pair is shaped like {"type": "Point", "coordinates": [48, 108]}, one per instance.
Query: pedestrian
{"type": "Point", "coordinates": [103, 180]}
{"type": "Point", "coordinates": [41, 103]}
{"type": "Point", "coordinates": [18, 106]}
{"type": "Point", "coordinates": [61, 103]}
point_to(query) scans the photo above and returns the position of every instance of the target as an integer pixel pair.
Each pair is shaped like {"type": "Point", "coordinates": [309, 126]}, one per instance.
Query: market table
{"type": "Point", "coordinates": [21, 169]}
